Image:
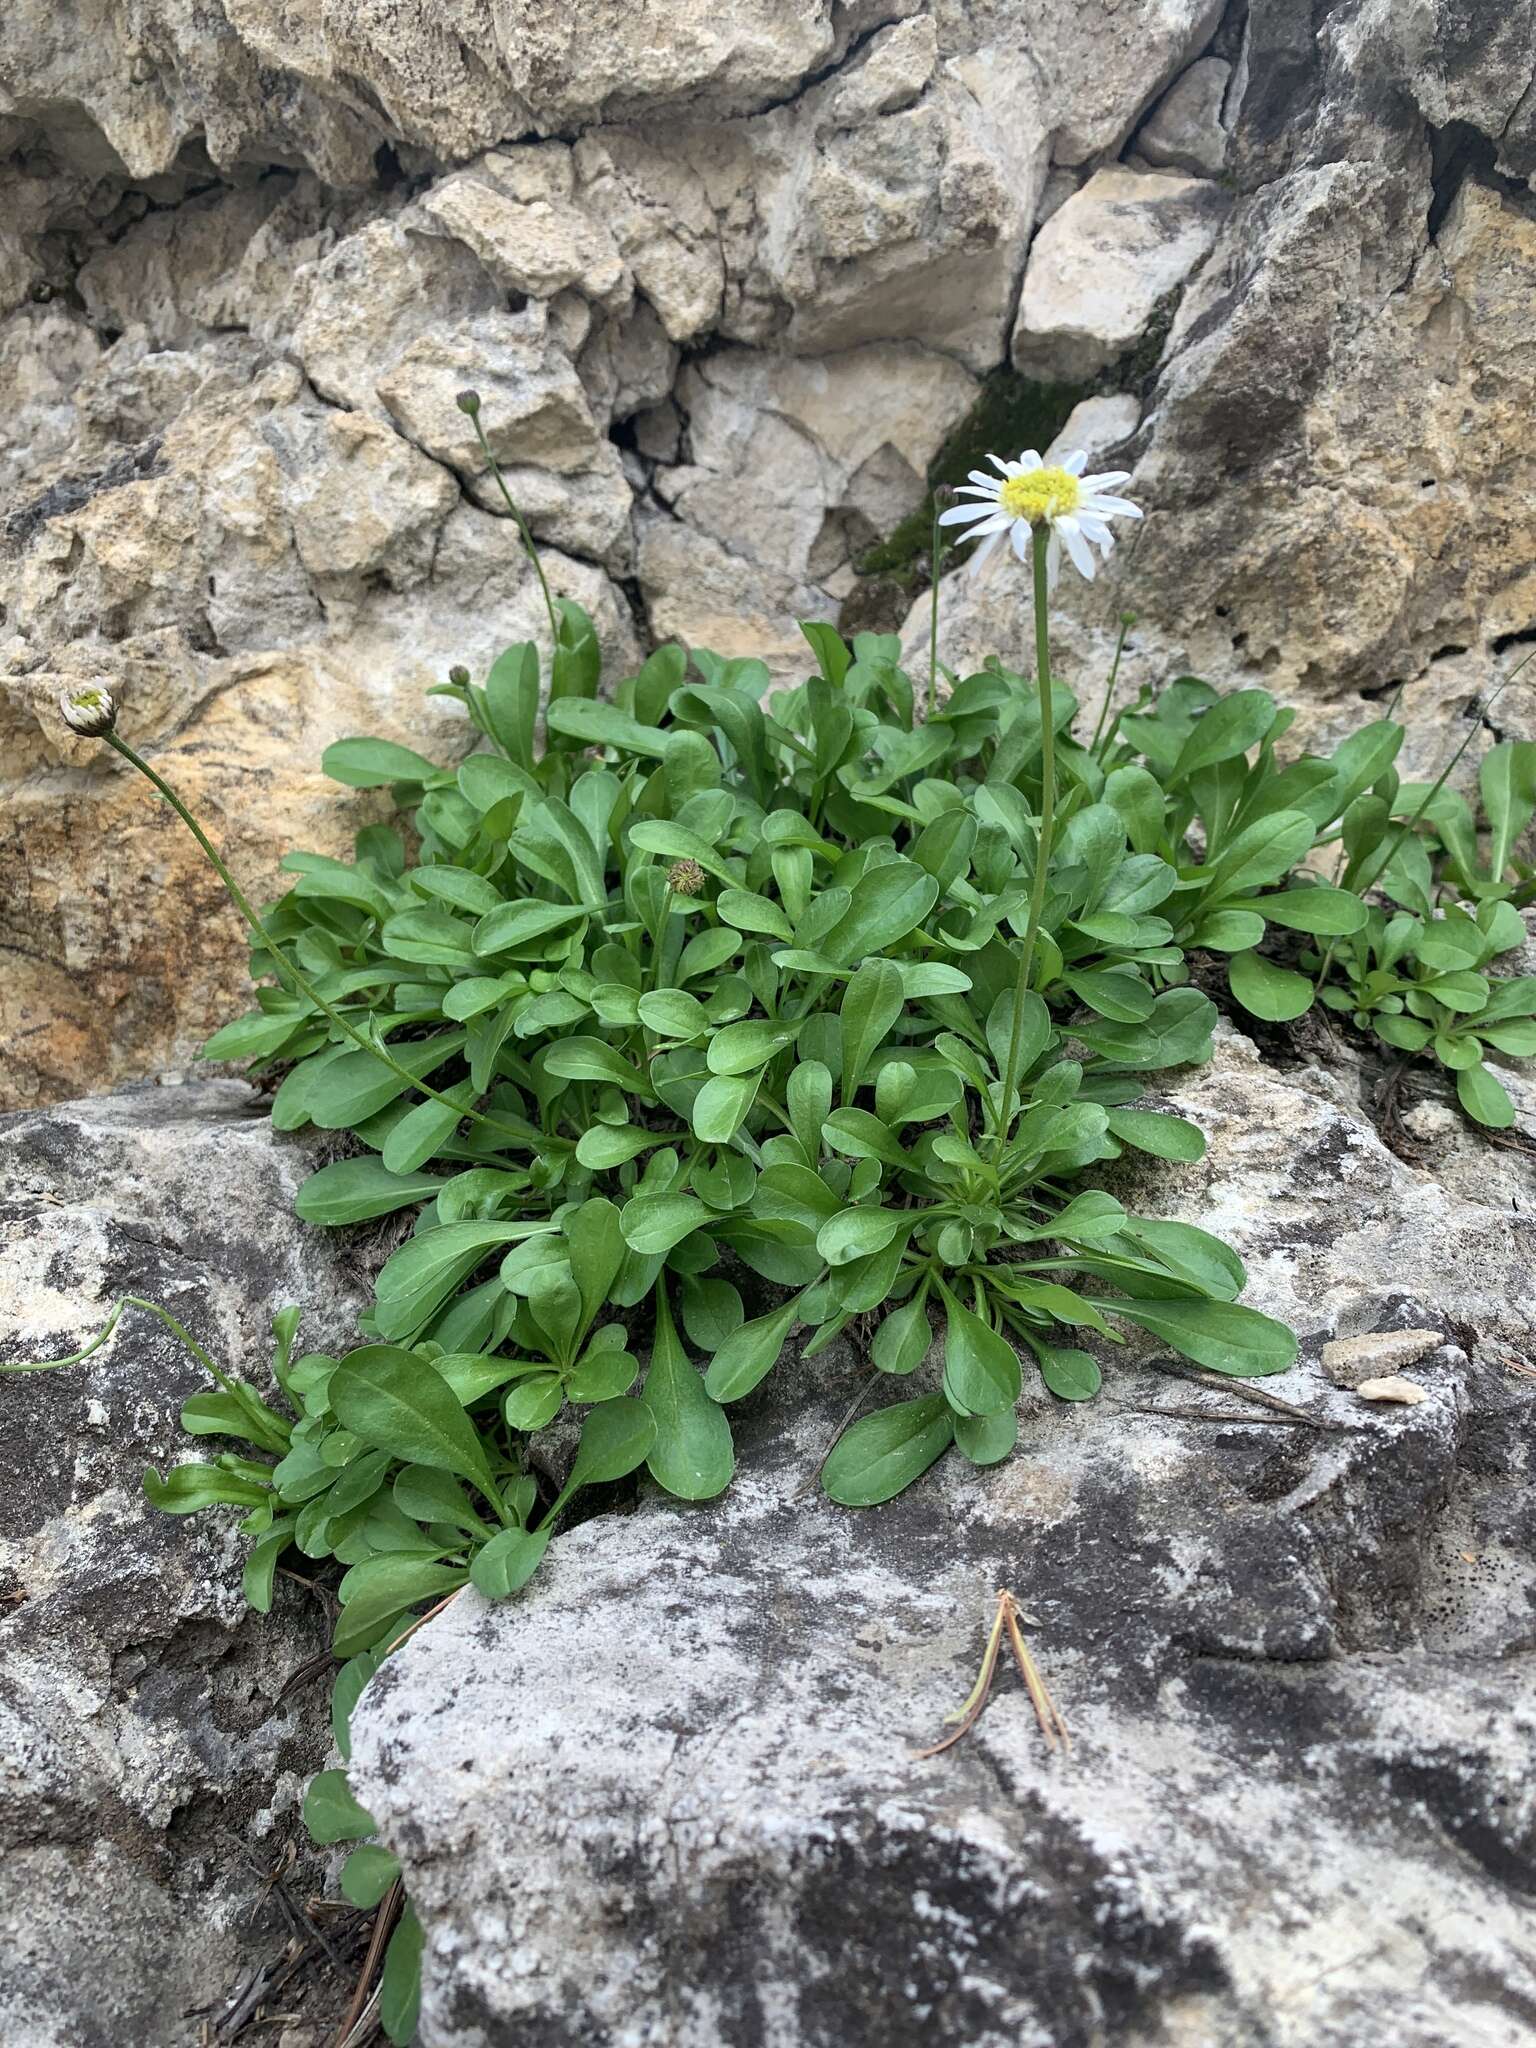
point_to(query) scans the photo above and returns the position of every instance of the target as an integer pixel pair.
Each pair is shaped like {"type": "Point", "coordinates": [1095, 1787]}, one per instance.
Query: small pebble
{"type": "Point", "coordinates": [1349, 1360]}
{"type": "Point", "coordinates": [1393, 1388]}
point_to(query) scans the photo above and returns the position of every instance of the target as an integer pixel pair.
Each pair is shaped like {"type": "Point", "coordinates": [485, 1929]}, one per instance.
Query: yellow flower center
{"type": "Point", "coordinates": [1040, 494]}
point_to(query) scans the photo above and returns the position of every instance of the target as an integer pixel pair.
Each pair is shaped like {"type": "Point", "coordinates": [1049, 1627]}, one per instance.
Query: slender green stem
{"type": "Point", "coordinates": [1109, 687]}
{"type": "Point", "coordinates": [1043, 844]}
{"type": "Point", "coordinates": [662, 973]}
{"type": "Point", "coordinates": [522, 527]}
{"type": "Point", "coordinates": [282, 966]}
{"type": "Point", "coordinates": [266, 1429]}
{"type": "Point", "coordinates": [933, 612]}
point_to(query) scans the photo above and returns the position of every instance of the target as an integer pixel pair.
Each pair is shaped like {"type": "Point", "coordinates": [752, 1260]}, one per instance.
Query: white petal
{"type": "Point", "coordinates": [984, 531]}
{"type": "Point", "coordinates": [1079, 550]}
{"type": "Point", "coordinates": [1075, 463]}
{"type": "Point", "coordinates": [959, 513]}
{"type": "Point", "coordinates": [1094, 529]}
{"type": "Point", "coordinates": [1066, 520]}
{"type": "Point", "coordinates": [979, 476]}
{"type": "Point", "coordinates": [978, 490]}
{"type": "Point", "coordinates": [1113, 508]}
{"type": "Point", "coordinates": [987, 548]}
{"type": "Point", "coordinates": [1106, 479]}
{"type": "Point", "coordinates": [1027, 461]}
{"type": "Point", "coordinates": [1052, 562]}
{"type": "Point", "coordinates": [998, 464]}
{"type": "Point", "coordinates": [1020, 538]}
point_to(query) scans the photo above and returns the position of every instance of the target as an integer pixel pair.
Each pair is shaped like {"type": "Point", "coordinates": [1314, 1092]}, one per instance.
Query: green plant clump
{"type": "Point", "coordinates": [693, 1021]}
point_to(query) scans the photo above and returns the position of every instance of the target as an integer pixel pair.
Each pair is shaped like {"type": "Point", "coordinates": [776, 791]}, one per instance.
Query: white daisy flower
{"type": "Point", "coordinates": [1075, 507]}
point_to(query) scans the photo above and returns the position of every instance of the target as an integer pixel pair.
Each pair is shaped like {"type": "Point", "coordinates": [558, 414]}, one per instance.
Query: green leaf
{"type": "Point", "coordinates": [357, 1085]}
{"type": "Point", "coordinates": [744, 1048]}
{"type": "Point", "coordinates": [749, 1354]}
{"type": "Point", "coordinates": [416, 1280]}
{"type": "Point", "coordinates": [345, 1694]}
{"type": "Point", "coordinates": [1178, 1033]}
{"type": "Point", "coordinates": [673, 1013]}
{"type": "Point", "coordinates": [400, 1984]}
{"type": "Point", "coordinates": [1268, 991]}
{"type": "Point", "coordinates": [1071, 1375]}
{"type": "Point", "coordinates": [872, 1002]}
{"type": "Point", "coordinates": [508, 1562]}
{"type": "Point", "coordinates": [1507, 780]}
{"type": "Point", "coordinates": [187, 1489]}
{"type": "Point", "coordinates": [901, 1342]}
{"type": "Point", "coordinates": [1229, 728]}
{"type": "Point", "coordinates": [808, 1098]}
{"type": "Point", "coordinates": [720, 1106]}
{"type": "Point", "coordinates": [887, 903]}
{"type": "Point", "coordinates": [356, 1190]}
{"type": "Point", "coordinates": [1263, 852]}
{"type": "Point", "coordinates": [1485, 1099]}
{"type": "Point", "coordinates": [752, 913]}
{"type": "Point", "coordinates": [600, 725]}
{"type": "Point", "coordinates": [332, 1814]}
{"type": "Point", "coordinates": [1164, 1137]}
{"type": "Point", "coordinates": [395, 1401]}
{"type": "Point", "coordinates": [589, 1059]}
{"type": "Point", "coordinates": [520, 924]}
{"type": "Point", "coordinates": [368, 1874]}
{"type": "Point", "coordinates": [1115, 992]}
{"type": "Point", "coordinates": [693, 1456]}
{"type": "Point", "coordinates": [1219, 1334]}
{"type": "Point", "coordinates": [986, 1439]}
{"type": "Point", "coordinates": [1329, 913]}
{"type": "Point", "coordinates": [370, 764]}
{"type": "Point", "coordinates": [881, 1455]}
{"type": "Point", "coordinates": [981, 1368]}
{"type": "Point", "coordinates": [654, 1223]}
{"type": "Point", "coordinates": [378, 1592]}
{"type": "Point", "coordinates": [615, 1438]}
{"type": "Point", "coordinates": [609, 1145]}
{"type": "Point", "coordinates": [859, 1233]}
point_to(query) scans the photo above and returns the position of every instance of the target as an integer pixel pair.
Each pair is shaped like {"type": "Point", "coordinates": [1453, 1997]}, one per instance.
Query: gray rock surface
{"type": "Point", "coordinates": [1184, 131]}
{"type": "Point", "coordinates": [669, 1796]}
{"type": "Point", "coordinates": [150, 1772]}
{"type": "Point", "coordinates": [1104, 263]}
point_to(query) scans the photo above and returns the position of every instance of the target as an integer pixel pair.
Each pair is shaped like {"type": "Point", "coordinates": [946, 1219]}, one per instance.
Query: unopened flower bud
{"type": "Point", "coordinates": [459, 674]}
{"type": "Point", "coordinates": [91, 712]}
{"type": "Point", "coordinates": [469, 401]}
{"type": "Point", "coordinates": [685, 878]}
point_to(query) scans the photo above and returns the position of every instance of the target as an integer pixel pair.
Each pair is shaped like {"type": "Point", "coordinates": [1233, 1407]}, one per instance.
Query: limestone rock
{"type": "Point", "coordinates": [1350, 1360]}
{"type": "Point", "coordinates": [515, 208]}
{"type": "Point", "coordinates": [1099, 427]}
{"type": "Point", "coordinates": [700, 592]}
{"type": "Point", "coordinates": [151, 1771]}
{"type": "Point", "coordinates": [1184, 130]}
{"type": "Point", "coordinates": [262, 83]}
{"type": "Point", "coordinates": [1102, 265]}
{"type": "Point", "coordinates": [1394, 1388]}
{"type": "Point", "coordinates": [824, 473]}
{"type": "Point", "coordinates": [1273, 1646]}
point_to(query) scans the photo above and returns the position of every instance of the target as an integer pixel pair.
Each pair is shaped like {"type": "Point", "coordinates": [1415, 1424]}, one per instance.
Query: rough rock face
{"type": "Point", "coordinates": [150, 1772]}
{"type": "Point", "coordinates": [669, 1794]}
{"type": "Point", "coordinates": [726, 278]}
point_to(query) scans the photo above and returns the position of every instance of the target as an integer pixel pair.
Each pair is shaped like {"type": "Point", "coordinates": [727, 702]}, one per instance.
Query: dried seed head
{"type": "Point", "coordinates": [469, 401]}
{"type": "Point", "coordinates": [459, 674]}
{"type": "Point", "coordinates": [91, 712]}
{"type": "Point", "coordinates": [685, 878]}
